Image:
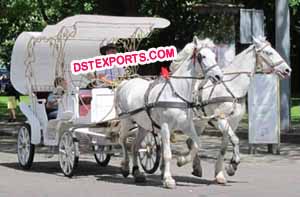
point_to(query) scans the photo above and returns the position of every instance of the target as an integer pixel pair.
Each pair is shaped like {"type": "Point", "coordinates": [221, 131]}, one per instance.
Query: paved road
{"type": "Point", "coordinates": [258, 175]}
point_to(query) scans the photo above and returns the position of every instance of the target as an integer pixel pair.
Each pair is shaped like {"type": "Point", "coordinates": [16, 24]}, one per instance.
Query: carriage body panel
{"type": "Point", "coordinates": [38, 58]}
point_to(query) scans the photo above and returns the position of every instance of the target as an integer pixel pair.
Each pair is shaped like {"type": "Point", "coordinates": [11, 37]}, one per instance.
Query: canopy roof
{"type": "Point", "coordinates": [38, 56]}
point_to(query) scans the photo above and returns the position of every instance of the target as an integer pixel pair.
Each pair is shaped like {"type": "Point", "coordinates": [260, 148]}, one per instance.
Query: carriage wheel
{"type": "Point", "coordinates": [68, 156]}
{"type": "Point", "coordinates": [149, 153]}
{"type": "Point", "coordinates": [25, 148]}
{"type": "Point", "coordinates": [101, 157]}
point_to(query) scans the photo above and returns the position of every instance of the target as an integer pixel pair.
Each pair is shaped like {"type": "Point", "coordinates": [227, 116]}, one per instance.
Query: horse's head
{"type": "Point", "coordinates": [269, 59]}
{"type": "Point", "coordinates": [204, 59]}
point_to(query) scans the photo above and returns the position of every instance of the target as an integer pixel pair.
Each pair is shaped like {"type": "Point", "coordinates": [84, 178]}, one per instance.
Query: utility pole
{"type": "Point", "coordinates": [283, 47]}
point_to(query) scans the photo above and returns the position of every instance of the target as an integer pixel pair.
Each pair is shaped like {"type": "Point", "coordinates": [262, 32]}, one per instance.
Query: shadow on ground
{"type": "Point", "coordinates": [111, 174]}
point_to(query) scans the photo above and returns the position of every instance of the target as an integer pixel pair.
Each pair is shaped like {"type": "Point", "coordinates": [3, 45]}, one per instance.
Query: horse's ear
{"type": "Point", "coordinates": [195, 41]}
{"type": "Point", "coordinates": [262, 38]}
{"type": "Point", "coordinates": [256, 41]}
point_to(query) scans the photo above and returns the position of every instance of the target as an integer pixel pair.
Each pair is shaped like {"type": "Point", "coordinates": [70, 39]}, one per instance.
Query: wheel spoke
{"type": "Point", "coordinates": [70, 161]}
{"type": "Point", "coordinates": [148, 138]}
{"type": "Point", "coordinates": [63, 143]}
{"type": "Point", "coordinates": [66, 170]}
{"type": "Point", "coordinates": [65, 165]}
{"type": "Point", "coordinates": [153, 141]}
{"type": "Point", "coordinates": [143, 159]}
{"type": "Point", "coordinates": [143, 155]}
{"type": "Point", "coordinates": [143, 144]}
{"type": "Point", "coordinates": [147, 163]}
{"type": "Point", "coordinates": [62, 151]}
{"type": "Point", "coordinates": [22, 137]}
{"type": "Point", "coordinates": [23, 157]}
{"type": "Point", "coordinates": [67, 153]}
{"type": "Point", "coordinates": [63, 158]}
{"type": "Point", "coordinates": [153, 160]}
{"type": "Point", "coordinates": [23, 145]}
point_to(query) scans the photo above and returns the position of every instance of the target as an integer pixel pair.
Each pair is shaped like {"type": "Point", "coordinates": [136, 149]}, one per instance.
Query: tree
{"type": "Point", "coordinates": [33, 15]}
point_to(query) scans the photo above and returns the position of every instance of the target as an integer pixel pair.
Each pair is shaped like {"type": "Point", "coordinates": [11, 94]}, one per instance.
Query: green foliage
{"type": "Point", "coordinates": [17, 16]}
{"type": "Point", "coordinates": [295, 5]}
{"type": "Point", "coordinates": [295, 110]}
{"type": "Point", "coordinates": [185, 22]}
{"type": "Point", "coordinates": [3, 108]}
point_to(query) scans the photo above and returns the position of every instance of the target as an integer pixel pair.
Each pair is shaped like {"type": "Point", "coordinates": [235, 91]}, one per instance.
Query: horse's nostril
{"type": "Point", "coordinates": [218, 77]}
{"type": "Point", "coordinates": [287, 70]}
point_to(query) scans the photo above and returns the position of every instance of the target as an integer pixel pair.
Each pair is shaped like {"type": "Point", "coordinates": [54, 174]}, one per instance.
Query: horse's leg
{"type": "Point", "coordinates": [168, 181]}
{"type": "Point", "coordinates": [194, 145]}
{"type": "Point", "coordinates": [235, 160]}
{"type": "Point", "coordinates": [200, 126]}
{"type": "Point", "coordinates": [162, 165]}
{"type": "Point", "coordinates": [223, 126]}
{"type": "Point", "coordinates": [234, 121]}
{"type": "Point", "coordinates": [124, 130]}
{"type": "Point", "coordinates": [139, 177]}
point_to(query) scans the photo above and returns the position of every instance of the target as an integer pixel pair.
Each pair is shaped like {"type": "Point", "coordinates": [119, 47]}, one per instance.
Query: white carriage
{"type": "Point", "coordinates": [40, 57]}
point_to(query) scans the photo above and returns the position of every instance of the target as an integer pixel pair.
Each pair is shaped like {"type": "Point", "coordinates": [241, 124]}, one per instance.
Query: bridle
{"type": "Point", "coordinates": [199, 59]}
{"type": "Point", "coordinates": [260, 59]}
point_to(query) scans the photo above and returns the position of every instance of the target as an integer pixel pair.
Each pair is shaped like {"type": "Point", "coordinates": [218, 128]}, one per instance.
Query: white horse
{"type": "Point", "coordinates": [226, 101]}
{"type": "Point", "coordinates": [165, 104]}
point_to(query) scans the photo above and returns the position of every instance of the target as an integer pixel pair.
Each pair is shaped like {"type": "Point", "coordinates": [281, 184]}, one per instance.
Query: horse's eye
{"type": "Point", "coordinates": [269, 53]}
{"type": "Point", "coordinates": [203, 56]}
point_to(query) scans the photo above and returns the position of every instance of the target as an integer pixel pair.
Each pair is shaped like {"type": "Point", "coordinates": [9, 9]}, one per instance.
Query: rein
{"type": "Point", "coordinates": [167, 104]}
{"type": "Point", "coordinates": [232, 98]}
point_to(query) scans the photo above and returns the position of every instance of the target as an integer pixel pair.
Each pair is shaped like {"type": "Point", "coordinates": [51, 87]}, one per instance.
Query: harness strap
{"type": "Point", "coordinates": [168, 104]}
{"type": "Point", "coordinates": [178, 95]}
{"type": "Point", "coordinates": [210, 68]}
{"type": "Point", "coordinates": [163, 104]}
{"type": "Point", "coordinates": [149, 107]}
{"type": "Point", "coordinates": [215, 100]}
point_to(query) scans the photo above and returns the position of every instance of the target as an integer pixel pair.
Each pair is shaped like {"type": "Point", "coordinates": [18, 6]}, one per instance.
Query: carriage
{"type": "Point", "coordinates": [86, 117]}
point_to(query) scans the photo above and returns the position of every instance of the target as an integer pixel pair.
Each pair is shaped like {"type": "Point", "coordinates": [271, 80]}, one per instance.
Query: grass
{"type": "Point", "coordinates": [295, 111]}
{"type": "Point", "coordinates": [3, 108]}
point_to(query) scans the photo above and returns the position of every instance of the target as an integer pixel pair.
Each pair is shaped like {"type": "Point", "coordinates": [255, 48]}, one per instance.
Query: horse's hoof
{"type": "Point", "coordinates": [220, 178]}
{"type": "Point", "coordinates": [197, 169]}
{"type": "Point", "coordinates": [197, 172]}
{"type": "Point", "coordinates": [125, 169]}
{"type": "Point", "coordinates": [169, 184]}
{"type": "Point", "coordinates": [230, 170]}
{"type": "Point", "coordinates": [189, 142]}
{"type": "Point", "coordinates": [125, 173]}
{"type": "Point", "coordinates": [181, 161]}
{"type": "Point", "coordinates": [139, 177]}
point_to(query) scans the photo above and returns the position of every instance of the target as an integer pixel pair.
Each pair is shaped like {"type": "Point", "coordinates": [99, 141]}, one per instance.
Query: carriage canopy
{"type": "Point", "coordinates": [39, 57]}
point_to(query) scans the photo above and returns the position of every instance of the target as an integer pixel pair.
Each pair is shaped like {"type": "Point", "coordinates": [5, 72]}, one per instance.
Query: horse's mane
{"type": "Point", "coordinates": [187, 52]}
{"type": "Point", "coordinates": [235, 66]}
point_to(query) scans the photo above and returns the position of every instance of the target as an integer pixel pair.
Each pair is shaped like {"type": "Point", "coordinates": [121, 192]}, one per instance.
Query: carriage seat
{"type": "Point", "coordinates": [43, 99]}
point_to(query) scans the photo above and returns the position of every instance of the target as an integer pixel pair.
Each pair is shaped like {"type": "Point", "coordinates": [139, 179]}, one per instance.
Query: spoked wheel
{"type": "Point", "coordinates": [25, 148]}
{"type": "Point", "coordinates": [101, 155]}
{"type": "Point", "coordinates": [149, 153]}
{"type": "Point", "coordinates": [68, 156]}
